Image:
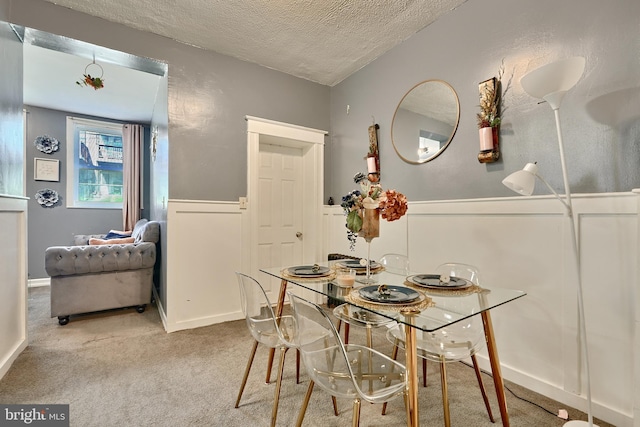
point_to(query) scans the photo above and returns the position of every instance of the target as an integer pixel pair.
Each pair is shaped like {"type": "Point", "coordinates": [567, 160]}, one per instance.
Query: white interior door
{"type": "Point", "coordinates": [280, 211]}
{"type": "Point", "coordinates": [284, 187]}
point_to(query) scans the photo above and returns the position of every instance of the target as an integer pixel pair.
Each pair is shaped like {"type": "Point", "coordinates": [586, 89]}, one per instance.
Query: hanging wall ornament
{"type": "Point", "coordinates": [46, 144]}
{"type": "Point", "coordinates": [47, 197]}
{"type": "Point", "coordinates": [96, 81]}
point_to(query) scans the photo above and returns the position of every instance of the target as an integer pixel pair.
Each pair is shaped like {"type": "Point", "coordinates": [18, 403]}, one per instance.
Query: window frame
{"type": "Point", "coordinates": [72, 172]}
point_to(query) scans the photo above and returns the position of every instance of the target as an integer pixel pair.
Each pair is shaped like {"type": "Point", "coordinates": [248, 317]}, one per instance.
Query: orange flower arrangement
{"type": "Point", "coordinates": [393, 205]}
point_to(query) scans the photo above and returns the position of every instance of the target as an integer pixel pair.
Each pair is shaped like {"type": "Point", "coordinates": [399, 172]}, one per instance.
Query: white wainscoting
{"type": "Point", "coordinates": [524, 243]}
{"type": "Point", "coordinates": [205, 249]}
{"type": "Point", "coordinates": [520, 242]}
{"type": "Point", "coordinates": [13, 286]}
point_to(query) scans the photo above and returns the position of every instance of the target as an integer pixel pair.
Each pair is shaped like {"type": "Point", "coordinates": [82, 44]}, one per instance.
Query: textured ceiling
{"type": "Point", "coordinates": [324, 41]}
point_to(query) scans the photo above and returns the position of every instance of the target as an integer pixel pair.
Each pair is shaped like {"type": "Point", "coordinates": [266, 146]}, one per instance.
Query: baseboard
{"type": "Point", "coordinates": [161, 311]}
{"type": "Point", "coordinates": [203, 321]}
{"type": "Point", "coordinates": [11, 357]}
{"type": "Point", "coordinates": [552, 391]}
{"type": "Point", "coordinates": [36, 283]}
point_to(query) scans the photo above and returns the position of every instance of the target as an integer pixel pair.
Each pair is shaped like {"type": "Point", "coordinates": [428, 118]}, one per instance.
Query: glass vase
{"type": "Point", "coordinates": [370, 230]}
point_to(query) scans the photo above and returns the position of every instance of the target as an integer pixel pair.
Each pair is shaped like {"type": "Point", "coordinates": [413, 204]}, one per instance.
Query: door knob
{"type": "Point", "coordinates": [299, 235]}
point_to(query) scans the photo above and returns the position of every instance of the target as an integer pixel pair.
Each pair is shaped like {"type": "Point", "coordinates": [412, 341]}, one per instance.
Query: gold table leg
{"type": "Point", "coordinates": [278, 313]}
{"type": "Point", "coordinates": [411, 352]}
{"type": "Point", "coordinates": [495, 367]}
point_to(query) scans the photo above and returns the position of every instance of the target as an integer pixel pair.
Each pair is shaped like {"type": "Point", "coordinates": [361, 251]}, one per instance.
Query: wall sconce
{"type": "Point", "coordinates": [489, 118]}
{"type": "Point", "coordinates": [373, 158]}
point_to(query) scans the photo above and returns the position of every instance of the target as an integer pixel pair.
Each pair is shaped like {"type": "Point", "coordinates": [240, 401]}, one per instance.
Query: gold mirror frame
{"type": "Point", "coordinates": [426, 118]}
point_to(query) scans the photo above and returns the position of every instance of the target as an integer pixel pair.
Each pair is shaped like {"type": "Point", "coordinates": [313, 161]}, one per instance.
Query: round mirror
{"type": "Point", "coordinates": [425, 121]}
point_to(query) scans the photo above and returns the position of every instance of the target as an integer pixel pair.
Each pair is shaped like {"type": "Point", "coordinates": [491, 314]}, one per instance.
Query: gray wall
{"type": "Point", "coordinates": [56, 226]}
{"type": "Point", "coordinates": [209, 96]}
{"type": "Point", "coordinates": [11, 133]}
{"type": "Point", "coordinates": [599, 116]}
{"type": "Point", "coordinates": [202, 131]}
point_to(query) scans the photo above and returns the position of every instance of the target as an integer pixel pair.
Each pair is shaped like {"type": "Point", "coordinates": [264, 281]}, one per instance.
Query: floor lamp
{"type": "Point", "coordinates": [551, 82]}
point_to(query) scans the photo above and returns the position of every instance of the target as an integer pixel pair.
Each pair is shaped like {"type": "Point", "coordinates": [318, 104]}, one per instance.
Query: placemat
{"type": "Point", "coordinates": [473, 289]}
{"type": "Point", "coordinates": [422, 303]}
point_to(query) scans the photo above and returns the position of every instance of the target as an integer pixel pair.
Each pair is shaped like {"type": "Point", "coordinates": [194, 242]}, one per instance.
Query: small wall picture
{"type": "Point", "coordinates": [46, 169]}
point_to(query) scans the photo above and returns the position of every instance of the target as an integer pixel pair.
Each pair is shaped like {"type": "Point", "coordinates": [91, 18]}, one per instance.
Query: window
{"type": "Point", "coordinates": [94, 164]}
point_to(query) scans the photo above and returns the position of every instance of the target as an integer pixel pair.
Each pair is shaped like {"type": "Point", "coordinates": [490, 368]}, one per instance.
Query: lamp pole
{"type": "Point", "coordinates": [551, 83]}
{"type": "Point", "coordinates": [582, 328]}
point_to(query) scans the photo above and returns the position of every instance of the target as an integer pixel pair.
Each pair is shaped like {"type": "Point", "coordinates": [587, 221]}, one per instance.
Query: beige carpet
{"type": "Point", "coordinates": [122, 368]}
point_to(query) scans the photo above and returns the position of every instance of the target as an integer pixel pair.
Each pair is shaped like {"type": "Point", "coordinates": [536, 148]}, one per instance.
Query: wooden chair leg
{"type": "Point", "coordinates": [424, 372]}
{"type": "Point", "coordinates": [246, 371]}
{"type": "Point", "coordinates": [276, 397]}
{"type": "Point", "coordinates": [297, 366]}
{"type": "Point", "coordinates": [394, 356]}
{"type": "Point", "coordinates": [305, 403]}
{"type": "Point", "coordinates": [346, 333]}
{"type": "Point", "coordinates": [272, 352]}
{"type": "Point", "coordinates": [445, 395]}
{"type": "Point", "coordinates": [356, 413]}
{"type": "Point", "coordinates": [476, 368]}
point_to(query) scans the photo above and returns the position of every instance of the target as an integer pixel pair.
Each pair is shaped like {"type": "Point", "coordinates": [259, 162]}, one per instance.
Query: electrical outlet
{"type": "Point", "coordinates": [243, 202]}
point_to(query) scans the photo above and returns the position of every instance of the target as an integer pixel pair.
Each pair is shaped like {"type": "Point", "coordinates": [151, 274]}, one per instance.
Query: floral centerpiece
{"type": "Point", "coordinates": [364, 206]}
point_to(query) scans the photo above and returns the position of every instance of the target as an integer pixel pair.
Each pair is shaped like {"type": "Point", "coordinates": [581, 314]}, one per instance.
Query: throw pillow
{"type": "Point", "coordinates": [124, 240]}
{"type": "Point", "coordinates": [116, 235]}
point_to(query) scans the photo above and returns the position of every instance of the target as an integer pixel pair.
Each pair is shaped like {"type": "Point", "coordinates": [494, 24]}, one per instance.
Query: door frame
{"type": "Point", "coordinates": [311, 141]}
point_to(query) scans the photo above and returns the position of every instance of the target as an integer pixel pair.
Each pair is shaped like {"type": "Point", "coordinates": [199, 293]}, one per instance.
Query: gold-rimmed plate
{"type": "Point", "coordinates": [355, 264]}
{"type": "Point", "coordinates": [309, 271]}
{"type": "Point", "coordinates": [393, 294]}
{"type": "Point", "coordinates": [434, 281]}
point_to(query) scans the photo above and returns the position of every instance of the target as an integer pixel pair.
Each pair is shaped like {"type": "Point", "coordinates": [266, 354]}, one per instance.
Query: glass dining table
{"type": "Point", "coordinates": [435, 307]}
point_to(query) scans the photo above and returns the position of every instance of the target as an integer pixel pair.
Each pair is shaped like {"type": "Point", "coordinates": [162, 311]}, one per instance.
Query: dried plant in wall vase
{"type": "Point", "coordinates": [489, 118]}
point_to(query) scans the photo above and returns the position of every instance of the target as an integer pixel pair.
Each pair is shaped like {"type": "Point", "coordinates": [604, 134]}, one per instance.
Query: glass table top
{"type": "Point", "coordinates": [432, 309]}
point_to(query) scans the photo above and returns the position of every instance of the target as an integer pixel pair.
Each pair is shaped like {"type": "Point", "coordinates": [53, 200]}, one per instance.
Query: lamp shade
{"type": "Point", "coordinates": [552, 81]}
{"type": "Point", "coordinates": [523, 181]}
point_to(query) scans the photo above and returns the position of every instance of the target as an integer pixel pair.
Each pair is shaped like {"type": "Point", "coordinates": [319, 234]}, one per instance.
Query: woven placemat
{"type": "Point", "coordinates": [473, 289]}
{"type": "Point", "coordinates": [422, 303]}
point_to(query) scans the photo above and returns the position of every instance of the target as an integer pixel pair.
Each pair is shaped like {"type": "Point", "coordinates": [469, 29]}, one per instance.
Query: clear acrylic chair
{"type": "Point", "coordinates": [395, 264]}
{"type": "Point", "coordinates": [452, 343]}
{"type": "Point", "coordinates": [266, 329]}
{"type": "Point", "coordinates": [350, 315]}
{"type": "Point", "coordinates": [343, 370]}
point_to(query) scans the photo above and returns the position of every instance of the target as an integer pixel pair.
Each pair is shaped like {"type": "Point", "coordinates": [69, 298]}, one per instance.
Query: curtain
{"type": "Point", "coordinates": [131, 148]}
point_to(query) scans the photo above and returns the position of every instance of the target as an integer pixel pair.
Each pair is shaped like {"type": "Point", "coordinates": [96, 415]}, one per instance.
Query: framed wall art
{"type": "Point", "coordinates": [46, 169]}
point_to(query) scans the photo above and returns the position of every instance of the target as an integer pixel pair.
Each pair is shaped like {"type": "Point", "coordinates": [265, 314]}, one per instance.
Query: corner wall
{"type": "Point", "coordinates": [13, 206]}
